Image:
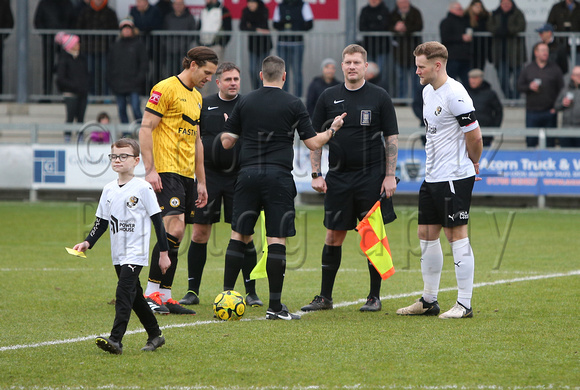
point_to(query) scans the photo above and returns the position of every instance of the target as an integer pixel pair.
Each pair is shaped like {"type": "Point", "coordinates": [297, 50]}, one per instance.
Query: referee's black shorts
{"type": "Point", "coordinates": [350, 195]}
{"type": "Point", "coordinates": [445, 203]}
{"type": "Point", "coordinates": [271, 189]}
{"type": "Point", "coordinates": [177, 196]}
{"type": "Point", "coordinates": [220, 187]}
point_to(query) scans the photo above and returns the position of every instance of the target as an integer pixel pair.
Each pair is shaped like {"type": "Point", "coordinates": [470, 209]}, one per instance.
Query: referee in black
{"type": "Point", "coordinates": [221, 171]}
{"type": "Point", "coordinates": [265, 121]}
{"type": "Point", "coordinates": [362, 164]}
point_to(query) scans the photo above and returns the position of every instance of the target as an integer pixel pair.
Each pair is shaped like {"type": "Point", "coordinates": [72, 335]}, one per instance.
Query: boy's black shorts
{"type": "Point", "coordinates": [219, 187]}
{"type": "Point", "coordinates": [177, 196]}
{"type": "Point", "coordinates": [445, 203]}
{"type": "Point", "coordinates": [268, 188]}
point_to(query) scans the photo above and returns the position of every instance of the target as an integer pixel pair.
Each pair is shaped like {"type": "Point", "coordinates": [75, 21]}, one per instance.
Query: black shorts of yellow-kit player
{"type": "Point", "coordinates": [177, 196]}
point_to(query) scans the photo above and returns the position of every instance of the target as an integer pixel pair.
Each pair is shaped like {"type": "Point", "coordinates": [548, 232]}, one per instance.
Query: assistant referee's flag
{"type": "Point", "coordinates": [374, 242]}
{"type": "Point", "coordinates": [259, 270]}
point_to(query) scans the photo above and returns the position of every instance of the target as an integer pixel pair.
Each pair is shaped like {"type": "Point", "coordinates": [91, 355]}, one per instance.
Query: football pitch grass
{"type": "Point", "coordinates": [524, 335]}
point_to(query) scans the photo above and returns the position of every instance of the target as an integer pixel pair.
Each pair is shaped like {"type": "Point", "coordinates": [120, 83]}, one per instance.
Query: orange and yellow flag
{"type": "Point", "coordinates": [374, 242]}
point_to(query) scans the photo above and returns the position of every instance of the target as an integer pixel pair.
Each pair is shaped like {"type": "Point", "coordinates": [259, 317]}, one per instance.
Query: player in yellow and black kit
{"type": "Point", "coordinates": [173, 155]}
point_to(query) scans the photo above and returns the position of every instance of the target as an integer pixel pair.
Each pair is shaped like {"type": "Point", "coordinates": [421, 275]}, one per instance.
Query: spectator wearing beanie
{"type": "Point", "coordinates": [127, 66]}
{"type": "Point", "coordinates": [320, 83]}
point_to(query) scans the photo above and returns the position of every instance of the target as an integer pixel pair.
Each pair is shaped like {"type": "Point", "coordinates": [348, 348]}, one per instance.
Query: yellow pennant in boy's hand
{"type": "Point", "coordinates": [75, 253]}
{"type": "Point", "coordinates": [259, 270]}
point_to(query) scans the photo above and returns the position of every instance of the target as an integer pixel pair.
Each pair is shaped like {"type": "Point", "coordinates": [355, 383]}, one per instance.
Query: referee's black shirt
{"type": "Point", "coordinates": [264, 121]}
{"type": "Point", "coordinates": [212, 123]}
{"type": "Point", "coordinates": [370, 114]}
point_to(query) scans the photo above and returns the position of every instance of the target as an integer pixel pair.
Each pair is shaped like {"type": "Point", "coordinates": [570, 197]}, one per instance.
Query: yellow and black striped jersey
{"type": "Point", "coordinates": [174, 138]}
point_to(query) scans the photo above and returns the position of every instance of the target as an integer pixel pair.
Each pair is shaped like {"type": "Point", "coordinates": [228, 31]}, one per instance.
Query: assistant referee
{"type": "Point", "coordinates": [265, 121]}
{"type": "Point", "coordinates": [362, 164]}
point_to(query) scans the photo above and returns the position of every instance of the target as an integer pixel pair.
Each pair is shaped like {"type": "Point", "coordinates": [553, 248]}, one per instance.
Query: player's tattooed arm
{"type": "Point", "coordinates": [315, 159]}
{"type": "Point", "coordinates": [318, 183]}
{"type": "Point", "coordinates": [392, 151]}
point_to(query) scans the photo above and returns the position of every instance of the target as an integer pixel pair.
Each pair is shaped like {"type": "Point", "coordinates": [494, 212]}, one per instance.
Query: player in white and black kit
{"type": "Point", "coordinates": [221, 171]}
{"type": "Point", "coordinates": [265, 121]}
{"type": "Point", "coordinates": [362, 164]}
{"type": "Point", "coordinates": [453, 149]}
{"type": "Point", "coordinates": [126, 207]}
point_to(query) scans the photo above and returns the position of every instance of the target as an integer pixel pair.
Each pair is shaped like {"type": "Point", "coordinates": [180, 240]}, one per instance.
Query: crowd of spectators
{"type": "Point", "coordinates": [460, 31]}
{"type": "Point", "coordinates": [540, 80]}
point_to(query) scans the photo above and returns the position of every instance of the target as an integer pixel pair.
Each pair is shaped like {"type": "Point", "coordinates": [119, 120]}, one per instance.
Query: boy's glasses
{"type": "Point", "coordinates": [122, 156]}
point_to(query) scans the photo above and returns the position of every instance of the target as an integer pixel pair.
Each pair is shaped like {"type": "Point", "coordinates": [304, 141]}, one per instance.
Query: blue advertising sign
{"type": "Point", "coordinates": [49, 166]}
{"type": "Point", "coordinates": [534, 172]}
{"type": "Point", "coordinates": [515, 172]}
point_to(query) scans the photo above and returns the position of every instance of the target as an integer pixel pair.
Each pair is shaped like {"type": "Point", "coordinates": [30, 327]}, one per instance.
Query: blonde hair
{"type": "Point", "coordinates": [432, 49]}
{"type": "Point", "coordinates": [353, 49]}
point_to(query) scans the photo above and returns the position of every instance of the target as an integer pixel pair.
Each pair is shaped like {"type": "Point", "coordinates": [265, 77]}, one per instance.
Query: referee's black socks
{"type": "Point", "coordinates": [234, 260]}
{"type": "Point", "coordinates": [331, 258]}
{"type": "Point", "coordinates": [250, 260]}
{"type": "Point", "coordinates": [275, 268]}
{"type": "Point", "coordinates": [196, 259]}
{"type": "Point", "coordinates": [376, 280]}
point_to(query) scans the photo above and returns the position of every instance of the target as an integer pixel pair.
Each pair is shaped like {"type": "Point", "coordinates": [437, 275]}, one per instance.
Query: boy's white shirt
{"type": "Point", "coordinates": [128, 209]}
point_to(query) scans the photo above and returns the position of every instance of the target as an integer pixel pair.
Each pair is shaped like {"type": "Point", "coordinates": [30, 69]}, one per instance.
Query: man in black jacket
{"type": "Point", "coordinates": [127, 70]}
{"type": "Point", "coordinates": [292, 16]}
{"type": "Point", "coordinates": [485, 101]}
{"type": "Point", "coordinates": [457, 37]}
{"type": "Point", "coordinates": [375, 17]}
{"type": "Point", "coordinates": [565, 17]}
{"type": "Point", "coordinates": [558, 52]}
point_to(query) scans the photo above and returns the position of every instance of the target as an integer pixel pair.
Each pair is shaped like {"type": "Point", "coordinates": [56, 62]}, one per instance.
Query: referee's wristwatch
{"type": "Point", "coordinates": [316, 175]}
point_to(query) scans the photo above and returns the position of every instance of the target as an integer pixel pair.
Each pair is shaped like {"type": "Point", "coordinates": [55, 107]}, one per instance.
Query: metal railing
{"type": "Point", "coordinates": [166, 48]}
{"type": "Point", "coordinates": [53, 133]}
{"type": "Point", "coordinates": [165, 51]}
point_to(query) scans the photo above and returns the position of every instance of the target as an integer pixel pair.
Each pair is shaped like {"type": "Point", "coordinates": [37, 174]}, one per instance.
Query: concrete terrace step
{"type": "Point", "coordinates": [13, 113]}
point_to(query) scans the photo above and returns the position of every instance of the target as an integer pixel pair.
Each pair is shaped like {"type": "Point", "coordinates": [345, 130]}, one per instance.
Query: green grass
{"type": "Point", "coordinates": [524, 334]}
